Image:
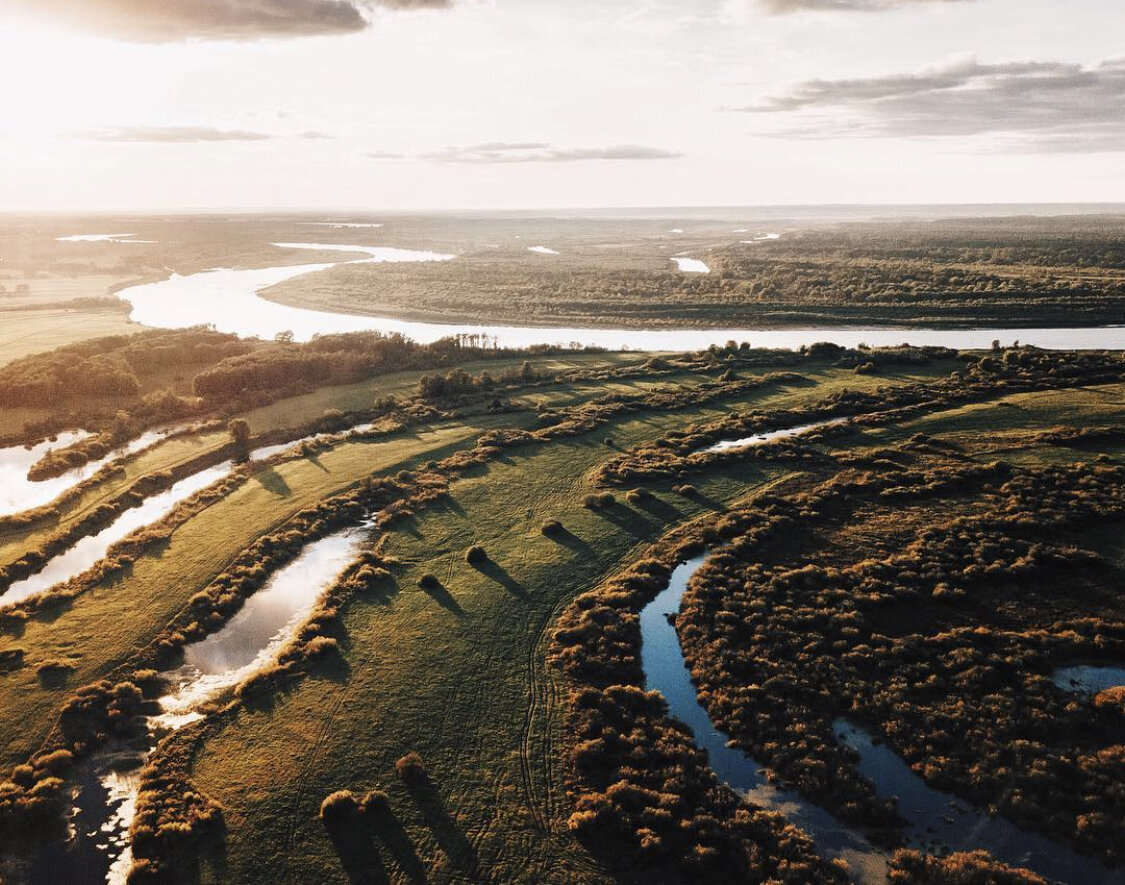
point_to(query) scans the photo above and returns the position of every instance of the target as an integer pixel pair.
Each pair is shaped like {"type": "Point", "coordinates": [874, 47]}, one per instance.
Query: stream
{"type": "Point", "coordinates": [85, 552]}
{"type": "Point", "coordinates": [105, 798]}
{"type": "Point", "coordinates": [18, 493]}
{"type": "Point", "coordinates": [936, 822]}
{"type": "Point", "coordinates": [758, 439]}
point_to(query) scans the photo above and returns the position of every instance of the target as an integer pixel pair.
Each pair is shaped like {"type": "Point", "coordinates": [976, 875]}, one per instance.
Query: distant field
{"type": "Point", "coordinates": [25, 332]}
{"type": "Point", "coordinates": [1004, 272]}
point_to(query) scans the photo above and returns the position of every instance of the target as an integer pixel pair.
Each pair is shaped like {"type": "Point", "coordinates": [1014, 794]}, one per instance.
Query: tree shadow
{"type": "Point", "coordinates": [705, 501]}
{"type": "Point", "coordinates": [448, 502]}
{"type": "Point", "coordinates": [314, 459]}
{"type": "Point", "coordinates": [457, 847]}
{"type": "Point", "coordinates": [565, 537]}
{"type": "Point", "coordinates": [357, 851]}
{"type": "Point", "coordinates": [54, 676]}
{"type": "Point", "coordinates": [187, 864]}
{"type": "Point", "coordinates": [273, 482]}
{"type": "Point", "coordinates": [393, 835]}
{"type": "Point", "coordinates": [437, 592]}
{"type": "Point", "coordinates": [629, 520]}
{"type": "Point", "coordinates": [496, 572]}
{"type": "Point", "coordinates": [661, 510]}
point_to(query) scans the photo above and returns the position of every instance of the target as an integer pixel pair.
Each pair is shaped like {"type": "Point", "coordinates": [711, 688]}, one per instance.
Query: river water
{"type": "Point", "coordinates": [229, 300]}
{"type": "Point", "coordinates": [85, 552]}
{"type": "Point", "coordinates": [758, 439]}
{"type": "Point", "coordinates": [936, 821]}
{"type": "Point", "coordinates": [98, 850]}
{"type": "Point", "coordinates": [18, 493]}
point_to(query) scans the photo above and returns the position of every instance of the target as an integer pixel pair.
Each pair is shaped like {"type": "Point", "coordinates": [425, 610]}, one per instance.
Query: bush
{"type": "Point", "coordinates": [338, 806]}
{"type": "Point", "coordinates": [429, 581]}
{"type": "Point", "coordinates": [476, 555]}
{"type": "Point", "coordinates": [591, 502]}
{"type": "Point", "coordinates": [637, 496]}
{"type": "Point", "coordinates": [319, 646]}
{"type": "Point", "coordinates": [606, 499]}
{"type": "Point", "coordinates": [551, 527]}
{"type": "Point", "coordinates": [410, 767]}
{"type": "Point", "coordinates": [375, 803]}
{"type": "Point", "coordinates": [688, 491]}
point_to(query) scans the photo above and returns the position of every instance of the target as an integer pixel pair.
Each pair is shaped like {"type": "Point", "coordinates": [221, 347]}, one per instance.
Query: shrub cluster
{"type": "Point", "coordinates": [645, 802]}
{"type": "Point", "coordinates": [795, 624]}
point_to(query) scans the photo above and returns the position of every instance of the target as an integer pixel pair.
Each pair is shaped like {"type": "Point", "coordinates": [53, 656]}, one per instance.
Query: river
{"type": "Point", "coordinates": [229, 300]}
{"type": "Point", "coordinates": [936, 821]}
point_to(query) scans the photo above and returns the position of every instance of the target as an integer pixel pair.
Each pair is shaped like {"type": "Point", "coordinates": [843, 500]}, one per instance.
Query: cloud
{"type": "Point", "coordinates": [167, 21]}
{"type": "Point", "coordinates": [172, 134]}
{"type": "Point", "coordinates": [1048, 106]}
{"type": "Point", "coordinates": [499, 152]}
{"type": "Point", "coordinates": [784, 7]}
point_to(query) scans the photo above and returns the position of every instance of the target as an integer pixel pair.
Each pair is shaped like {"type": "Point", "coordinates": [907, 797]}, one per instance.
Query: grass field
{"type": "Point", "coordinates": [457, 671]}
{"type": "Point", "coordinates": [24, 332]}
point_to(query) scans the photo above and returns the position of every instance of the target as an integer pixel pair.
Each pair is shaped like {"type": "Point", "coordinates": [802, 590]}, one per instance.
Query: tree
{"type": "Point", "coordinates": [239, 431]}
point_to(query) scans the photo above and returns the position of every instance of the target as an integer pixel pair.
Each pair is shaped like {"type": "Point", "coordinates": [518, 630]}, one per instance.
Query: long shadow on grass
{"type": "Point", "coordinates": [458, 849]}
{"type": "Point", "coordinates": [274, 483]}
{"type": "Point", "coordinates": [496, 572]}
{"type": "Point", "coordinates": [394, 836]}
{"type": "Point", "coordinates": [448, 503]}
{"type": "Point", "coordinates": [565, 537]}
{"type": "Point", "coordinates": [662, 510]}
{"type": "Point", "coordinates": [358, 854]}
{"type": "Point", "coordinates": [314, 459]}
{"type": "Point", "coordinates": [629, 520]}
{"type": "Point", "coordinates": [703, 501]}
{"type": "Point", "coordinates": [438, 593]}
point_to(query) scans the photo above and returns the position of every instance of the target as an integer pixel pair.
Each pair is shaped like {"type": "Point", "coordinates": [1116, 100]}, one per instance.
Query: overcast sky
{"type": "Point", "coordinates": [424, 104]}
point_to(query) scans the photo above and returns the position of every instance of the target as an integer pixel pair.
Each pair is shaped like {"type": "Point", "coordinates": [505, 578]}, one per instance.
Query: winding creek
{"type": "Point", "coordinates": [936, 821]}
{"type": "Point", "coordinates": [87, 551]}
{"type": "Point", "coordinates": [18, 493]}
{"type": "Point", "coordinates": [230, 301]}
{"type": "Point", "coordinates": [106, 795]}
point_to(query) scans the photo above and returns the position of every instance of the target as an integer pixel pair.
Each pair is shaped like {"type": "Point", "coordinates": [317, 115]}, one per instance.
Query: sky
{"type": "Point", "coordinates": [524, 104]}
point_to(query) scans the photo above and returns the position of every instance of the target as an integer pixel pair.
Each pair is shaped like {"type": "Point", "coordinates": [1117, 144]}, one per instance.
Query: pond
{"type": "Point", "coordinates": [666, 672]}
{"type": "Point", "coordinates": [1089, 678]}
{"type": "Point", "coordinates": [85, 552]}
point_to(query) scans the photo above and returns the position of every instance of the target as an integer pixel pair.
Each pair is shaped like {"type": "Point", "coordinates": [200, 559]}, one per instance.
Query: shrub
{"type": "Point", "coordinates": [637, 496]}
{"type": "Point", "coordinates": [551, 527]}
{"type": "Point", "coordinates": [410, 767]}
{"type": "Point", "coordinates": [476, 555]}
{"type": "Point", "coordinates": [688, 491]}
{"type": "Point", "coordinates": [54, 668]}
{"type": "Point", "coordinates": [338, 806]}
{"type": "Point", "coordinates": [609, 441]}
{"type": "Point", "coordinates": [319, 646]}
{"type": "Point", "coordinates": [375, 803]}
{"type": "Point", "coordinates": [591, 502]}
{"type": "Point", "coordinates": [429, 581]}
{"type": "Point", "coordinates": [606, 499]}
